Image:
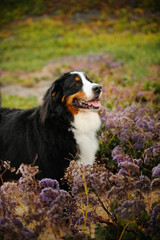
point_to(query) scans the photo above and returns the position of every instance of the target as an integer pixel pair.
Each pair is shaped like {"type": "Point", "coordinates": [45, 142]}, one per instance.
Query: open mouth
{"type": "Point", "coordinates": [93, 104]}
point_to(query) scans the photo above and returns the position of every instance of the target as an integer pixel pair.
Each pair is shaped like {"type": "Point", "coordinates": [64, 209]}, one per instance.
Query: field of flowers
{"type": "Point", "coordinates": [118, 198]}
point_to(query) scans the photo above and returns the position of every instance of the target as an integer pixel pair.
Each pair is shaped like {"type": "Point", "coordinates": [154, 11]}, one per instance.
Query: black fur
{"type": "Point", "coordinates": [43, 131]}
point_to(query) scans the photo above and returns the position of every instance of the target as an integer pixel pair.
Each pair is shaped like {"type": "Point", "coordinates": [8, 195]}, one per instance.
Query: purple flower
{"type": "Point", "coordinates": [95, 182]}
{"type": "Point", "coordinates": [118, 180]}
{"type": "Point", "coordinates": [156, 171]}
{"type": "Point", "coordinates": [98, 183]}
{"type": "Point", "coordinates": [152, 153]}
{"type": "Point", "coordinates": [156, 149]}
{"type": "Point", "coordinates": [78, 184]}
{"type": "Point", "coordinates": [131, 209]}
{"type": "Point", "coordinates": [139, 140]}
{"type": "Point", "coordinates": [119, 192]}
{"type": "Point", "coordinates": [8, 203]}
{"type": "Point", "coordinates": [127, 204]}
{"type": "Point", "coordinates": [139, 145]}
{"type": "Point", "coordinates": [138, 162]}
{"type": "Point", "coordinates": [155, 185]}
{"type": "Point", "coordinates": [13, 228]}
{"type": "Point", "coordinates": [17, 222]}
{"type": "Point", "coordinates": [154, 222]}
{"type": "Point", "coordinates": [118, 150]}
{"type": "Point", "coordinates": [48, 182]}
{"type": "Point", "coordinates": [148, 155]}
{"type": "Point", "coordinates": [146, 123]}
{"type": "Point", "coordinates": [128, 168]}
{"type": "Point", "coordinates": [143, 183]}
{"type": "Point", "coordinates": [48, 196]}
{"type": "Point", "coordinates": [126, 128]}
{"type": "Point", "coordinates": [119, 155]}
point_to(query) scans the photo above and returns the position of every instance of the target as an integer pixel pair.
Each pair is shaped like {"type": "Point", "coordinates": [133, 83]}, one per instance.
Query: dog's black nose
{"type": "Point", "coordinates": [97, 89]}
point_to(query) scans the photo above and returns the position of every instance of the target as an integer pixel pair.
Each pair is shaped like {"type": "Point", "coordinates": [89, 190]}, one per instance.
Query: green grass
{"type": "Point", "coordinates": [31, 44]}
{"type": "Point", "coordinates": [13, 101]}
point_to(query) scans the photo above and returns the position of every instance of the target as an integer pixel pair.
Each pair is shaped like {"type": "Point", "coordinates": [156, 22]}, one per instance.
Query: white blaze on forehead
{"type": "Point", "coordinates": [87, 85]}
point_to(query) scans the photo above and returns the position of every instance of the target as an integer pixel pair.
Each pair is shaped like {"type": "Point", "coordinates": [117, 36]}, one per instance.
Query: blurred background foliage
{"type": "Point", "coordinates": [118, 42]}
{"type": "Point", "coordinates": [15, 10]}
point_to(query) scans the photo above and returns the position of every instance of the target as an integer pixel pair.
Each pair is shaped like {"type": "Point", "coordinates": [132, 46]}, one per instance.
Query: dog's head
{"type": "Point", "coordinates": [74, 92]}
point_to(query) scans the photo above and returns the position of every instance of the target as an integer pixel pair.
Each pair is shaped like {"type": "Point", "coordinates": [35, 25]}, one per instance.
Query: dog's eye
{"type": "Point", "coordinates": [78, 84]}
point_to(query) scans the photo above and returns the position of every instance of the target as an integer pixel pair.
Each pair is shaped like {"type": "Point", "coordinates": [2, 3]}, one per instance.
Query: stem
{"type": "Point", "coordinates": [60, 231]}
{"type": "Point", "coordinates": [102, 204]}
{"type": "Point", "coordinates": [125, 229]}
{"type": "Point", "coordinates": [20, 203]}
{"type": "Point", "coordinates": [1, 175]}
{"type": "Point", "coordinates": [112, 138]}
{"type": "Point", "coordinates": [86, 191]}
{"type": "Point", "coordinates": [131, 146]}
{"type": "Point", "coordinates": [82, 209]}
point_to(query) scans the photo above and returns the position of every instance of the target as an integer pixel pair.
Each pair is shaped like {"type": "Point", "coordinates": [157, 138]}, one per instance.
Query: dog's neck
{"type": "Point", "coordinates": [85, 127]}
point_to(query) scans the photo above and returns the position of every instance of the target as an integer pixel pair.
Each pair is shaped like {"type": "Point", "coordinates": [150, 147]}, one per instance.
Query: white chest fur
{"type": "Point", "coordinates": [85, 126]}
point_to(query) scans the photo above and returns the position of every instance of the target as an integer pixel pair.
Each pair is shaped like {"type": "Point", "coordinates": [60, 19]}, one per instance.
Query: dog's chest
{"type": "Point", "coordinates": [85, 126]}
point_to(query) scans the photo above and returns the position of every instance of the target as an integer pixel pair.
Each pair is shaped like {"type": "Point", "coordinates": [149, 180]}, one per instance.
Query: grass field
{"type": "Point", "coordinates": [19, 102]}
{"type": "Point", "coordinates": [29, 45]}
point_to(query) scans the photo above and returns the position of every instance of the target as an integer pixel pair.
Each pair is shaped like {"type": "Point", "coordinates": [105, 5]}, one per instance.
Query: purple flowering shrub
{"type": "Point", "coordinates": [29, 207]}
{"type": "Point", "coordinates": [130, 136]}
{"type": "Point", "coordinates": [116, 198]}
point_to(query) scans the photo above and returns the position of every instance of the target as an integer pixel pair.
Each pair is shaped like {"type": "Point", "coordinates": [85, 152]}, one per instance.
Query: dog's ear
{"type": "Point", "coordinates": [44, 109]}
{"type": "Point", "coordinates": [52, 98]}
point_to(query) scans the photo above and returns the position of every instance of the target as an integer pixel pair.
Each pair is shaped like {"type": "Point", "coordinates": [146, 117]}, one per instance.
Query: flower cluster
{"type": "Point", "coordinates": [55, 201]}
{"type": "Point", "coordinates": [131, 209]}
{"type": "Point", "coordinates": [95, 177]}
{"type": "Point", "coordinates": [8, 203]}
{"type": "Point", "coordinates": [156, 171]}
{"type": "Point", "coordinates": [132, 136]}
{"type": "Point", "coordinates": [154, 222]}
{"type": "Point", "coordinates": [13, 228]}
{"type": "Point", "coordinates": [4, 167]}
{"type": "Point", "coordinates": [151, 153]}
{"type": "Point", "coordinates": [134, 123]}
{"type": "Point", "coordinates": [43, 204]}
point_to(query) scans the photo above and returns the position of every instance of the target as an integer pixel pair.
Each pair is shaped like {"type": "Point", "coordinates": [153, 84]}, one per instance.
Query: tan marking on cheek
{"type": "Point", "coordinates": [53, 94]}
{"type": "Point", "coordinates": [77, 79]}
{"type": "Point", "coordinates": [63, 98]}
{"type": "Point", "coordinates": [69, 101]}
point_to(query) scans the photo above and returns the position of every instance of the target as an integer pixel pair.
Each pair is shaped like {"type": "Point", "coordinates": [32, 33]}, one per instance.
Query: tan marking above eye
{"type": "Point", "coordinates": [88, 77]}
{"type": "Point", "coordinates": [77, 79]}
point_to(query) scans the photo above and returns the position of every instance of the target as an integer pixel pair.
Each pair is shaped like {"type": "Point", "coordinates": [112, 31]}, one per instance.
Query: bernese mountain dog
{"type": "Point", "coordinates": [63, 128]}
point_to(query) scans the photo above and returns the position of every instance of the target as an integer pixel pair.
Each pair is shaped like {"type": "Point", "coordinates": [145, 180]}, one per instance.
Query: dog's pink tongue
{"type": "Point", "coordinates": [94, 103]}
